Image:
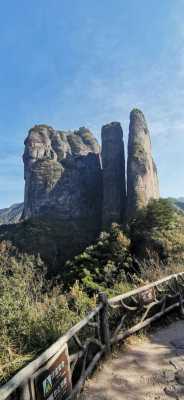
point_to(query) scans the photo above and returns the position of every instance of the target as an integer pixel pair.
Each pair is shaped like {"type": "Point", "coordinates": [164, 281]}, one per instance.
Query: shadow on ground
{"type": "Point", "coordinates": [150, 369]}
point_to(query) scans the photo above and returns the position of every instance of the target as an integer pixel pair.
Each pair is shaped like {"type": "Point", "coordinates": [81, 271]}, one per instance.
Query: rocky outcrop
{"type": "Point", "coordinates": [63, 180]}
{"type": "Point", "coordinates": [12, 214]}
{"type": "Point", "coordinates": [72, 191]}
{"type": "Point", "coordinates": [59, 168]}
{"type": "Point", "coordinates": [114, 184]}
{"type": "Point", "coordinates": [142, 179]}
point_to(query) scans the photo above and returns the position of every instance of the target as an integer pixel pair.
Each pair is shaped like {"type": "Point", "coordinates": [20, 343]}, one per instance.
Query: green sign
{"type": "Point", "coordinates": [53, 380]}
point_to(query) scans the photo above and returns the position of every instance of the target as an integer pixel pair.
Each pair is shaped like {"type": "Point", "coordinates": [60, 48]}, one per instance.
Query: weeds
{"type": "Point", "coordinates": [34, 312]}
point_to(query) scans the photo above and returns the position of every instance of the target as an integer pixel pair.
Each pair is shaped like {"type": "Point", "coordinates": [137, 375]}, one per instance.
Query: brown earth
{"type": "Point", "coordinates": [150, 368]}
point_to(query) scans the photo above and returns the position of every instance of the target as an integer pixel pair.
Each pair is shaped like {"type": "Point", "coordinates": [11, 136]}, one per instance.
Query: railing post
{"type": "Point", "coordinates": [180, 297]}
{"type": "Point", "coordinates": [24, 392]}
{"type": "Point", "coordinates": [181, 306]}
{"type": "Point", "coordinates": [104, 323]}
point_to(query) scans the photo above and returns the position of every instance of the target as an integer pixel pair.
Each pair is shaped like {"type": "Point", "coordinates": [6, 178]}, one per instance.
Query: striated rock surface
{"type": "Point", "coordinates": [142, 179]}
{"type": "Point", "coordinates": [59, 167]}
{"type": "Point", "coordinates": [114, 183]}
{"type": "Point", "coordinates": [63, 180]}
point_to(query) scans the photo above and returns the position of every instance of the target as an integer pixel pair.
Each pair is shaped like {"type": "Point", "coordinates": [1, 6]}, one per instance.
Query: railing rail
{"type": "Point", "coordinates": [145, 287]}
{"type": "Point", "coordinates": [110, 322]}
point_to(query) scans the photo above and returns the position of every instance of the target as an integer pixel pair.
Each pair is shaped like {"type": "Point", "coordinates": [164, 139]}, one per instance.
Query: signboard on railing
{"type": "Point", "coordinates": [14, 396]}
{"type": "Point", "coordinates": [53, 381]}
{"type": "Point", "coordinates": [147, 296]}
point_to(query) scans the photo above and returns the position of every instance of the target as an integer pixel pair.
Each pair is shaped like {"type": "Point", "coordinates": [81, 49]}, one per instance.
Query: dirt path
{"type": "Point", "coordinates": [150, 370]}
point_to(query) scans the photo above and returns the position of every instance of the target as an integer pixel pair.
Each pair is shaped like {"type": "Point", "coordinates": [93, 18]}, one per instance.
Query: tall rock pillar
{"type": "Point", "coordinates": [114, 184]}
{"type": "Point", "coordinates": [142, 179]}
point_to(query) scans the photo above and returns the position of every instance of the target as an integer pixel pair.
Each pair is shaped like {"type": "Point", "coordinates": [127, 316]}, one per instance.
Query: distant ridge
{"type": "Point", "coordinates": [11, 214]}
{"type": "Point", "coordinates": [178, 203]}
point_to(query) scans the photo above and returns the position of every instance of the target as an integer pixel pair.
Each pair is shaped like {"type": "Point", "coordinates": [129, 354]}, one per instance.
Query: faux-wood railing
{"type": "Point", "coordinates": [88, 341]}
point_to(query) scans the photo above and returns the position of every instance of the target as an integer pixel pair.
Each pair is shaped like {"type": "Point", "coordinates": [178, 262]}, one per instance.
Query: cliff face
{"type": "Point", "coordinates": [63, 180]}
{"type": "Point", "coordinates": [114, 184]}
{"type": "Point", "coordinates": [142, 179]}
{"type": "Point", "coordinates": [57, 166]}
{"type": "Point", "coordinates": [64, 175]}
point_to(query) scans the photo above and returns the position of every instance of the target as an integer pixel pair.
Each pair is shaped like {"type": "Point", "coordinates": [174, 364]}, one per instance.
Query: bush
{"type": "Point", "coordinates": [159, 214]}
{"type": "Point", "coordinates": [102, 264]}
{"type": "Point", "coordinates": [158, 229]}
{"type": "Point", "coordinates": [32, 314]}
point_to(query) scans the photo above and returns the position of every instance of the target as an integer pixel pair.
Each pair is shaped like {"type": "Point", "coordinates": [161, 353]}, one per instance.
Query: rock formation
{"type": "Point", "coordinates": [61, 171]}
{"type": "Point", "coordinates": [142, 179]}
{"type": "Point", "coordinates": [73, 194]}
{"type": "Point", "coordinates": [63, 181]}
{"type": "Point", "coordinates": [114, 183]}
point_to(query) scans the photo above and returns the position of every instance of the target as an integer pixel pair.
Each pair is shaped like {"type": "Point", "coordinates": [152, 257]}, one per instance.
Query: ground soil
{"type": "Point", "coordinates": [147, 368]}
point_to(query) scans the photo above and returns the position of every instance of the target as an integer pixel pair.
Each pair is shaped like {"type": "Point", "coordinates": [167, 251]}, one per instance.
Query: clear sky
{"type": "Point", "coordinates": [70, 63]}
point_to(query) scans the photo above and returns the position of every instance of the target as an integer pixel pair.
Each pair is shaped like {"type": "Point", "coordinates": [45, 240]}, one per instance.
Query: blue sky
{"type": "Point", "coordinates": [70, 63]}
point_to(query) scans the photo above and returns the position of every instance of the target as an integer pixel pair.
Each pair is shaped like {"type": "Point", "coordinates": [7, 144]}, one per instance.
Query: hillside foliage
{"type": "Point", "coordinates": [158, 230]}
{"type": "Point", "coordinates": [35, 311]}
{"type": "Point", "coordinates": [102, 264]}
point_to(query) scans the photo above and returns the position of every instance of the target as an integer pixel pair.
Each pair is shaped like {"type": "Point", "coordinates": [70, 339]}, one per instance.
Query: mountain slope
{"type": "Point", "coordinates": [179, 202]}
{"type": "Point", "coordinates": [11, 214]}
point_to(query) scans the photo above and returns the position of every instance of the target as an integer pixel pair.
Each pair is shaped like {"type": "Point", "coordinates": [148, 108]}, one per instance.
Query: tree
{"type": "Point", "coordinates": [102, 264]}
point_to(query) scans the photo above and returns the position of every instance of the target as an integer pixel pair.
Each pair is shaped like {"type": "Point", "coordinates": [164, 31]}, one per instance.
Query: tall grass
{"type": "Point", "coordinates": [32, 314]}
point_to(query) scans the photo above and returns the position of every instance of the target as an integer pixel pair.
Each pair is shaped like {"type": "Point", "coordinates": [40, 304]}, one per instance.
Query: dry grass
{"type": "Point", "coordinates": [32, 315]}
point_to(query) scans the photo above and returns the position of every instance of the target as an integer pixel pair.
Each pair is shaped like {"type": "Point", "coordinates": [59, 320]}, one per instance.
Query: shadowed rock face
{"type": "Point", "coordinates": [114, 185]}
{"type": "Point", "coordinates": [142, 179]}
{"type": "Point", "coordinates": [63, 179]}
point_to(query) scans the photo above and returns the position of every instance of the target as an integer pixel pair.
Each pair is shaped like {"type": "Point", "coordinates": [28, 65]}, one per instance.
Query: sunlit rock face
{"type": "Point", "coordinates": [79, 189]}
{"type": "Point", "coordinates": [114, 184]}
{"type": "Point", "coordinates": [142, 178]}
{"type": "Point", "coordinates": [63, 179]}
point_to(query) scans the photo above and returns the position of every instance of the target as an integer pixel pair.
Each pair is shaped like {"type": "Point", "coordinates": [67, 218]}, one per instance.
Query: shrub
{"type": "Point", "coordinates": [32, 313]}
{"type": "Point", "coordinates": [102, 264]}
{"type": "Point", "coordinates": [158, 229]}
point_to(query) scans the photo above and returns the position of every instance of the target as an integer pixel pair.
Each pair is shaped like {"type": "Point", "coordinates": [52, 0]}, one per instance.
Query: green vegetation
{"type": "Point", "coordinates": [35, 311]}
{"type": "Point", "coordinates": [158, 232]}
{"type": "Point", "coordinates": [47, 237]}
{"type": "Point", "coordinates": [159, 214]}
{"type": "Point", "coordinates": [178, 203]}
{"type": "Point", "coordinates": [136, 110]}
{"type": "Point", "coordinates": [139, 153]}
{"type": "Point", "coordinates": [153, 242]}
{"type": "Point", "coordinates": [101, 265]}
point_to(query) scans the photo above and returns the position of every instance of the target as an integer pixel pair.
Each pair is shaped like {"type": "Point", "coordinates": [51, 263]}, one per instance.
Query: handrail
{"type": "Point", "coordinates": [106, 329]}
{"type": "Point", "coordinates": [34, 365]}
{"type": "Point", "coordinates": [142, 288]}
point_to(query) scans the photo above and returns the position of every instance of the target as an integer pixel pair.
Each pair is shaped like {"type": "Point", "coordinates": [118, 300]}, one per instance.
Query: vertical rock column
{"type": "Point", "coordinates": [114, 184]}
{"type": "Point", "coordinates": [142, 179]}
